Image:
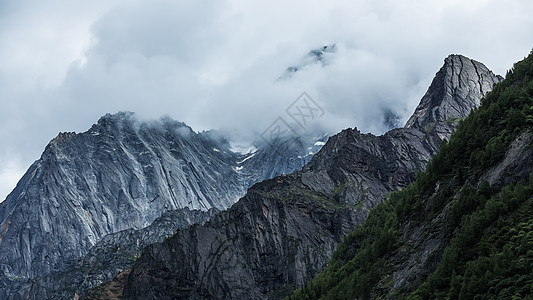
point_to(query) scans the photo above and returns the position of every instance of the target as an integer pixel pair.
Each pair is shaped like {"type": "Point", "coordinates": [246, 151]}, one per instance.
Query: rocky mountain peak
{"type": "Point", "coordinates": [456, 89]}
{"type": "Point", "coordinates": [120, 174]}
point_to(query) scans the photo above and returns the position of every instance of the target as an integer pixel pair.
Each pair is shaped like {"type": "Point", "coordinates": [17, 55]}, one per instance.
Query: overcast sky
{"type": "Point", "coordinates": [215, 64]}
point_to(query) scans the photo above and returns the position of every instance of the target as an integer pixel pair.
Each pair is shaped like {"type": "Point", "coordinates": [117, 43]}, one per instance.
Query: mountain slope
{"type": "Point", "coordinates": [284, 230]}
{"type": "Point", "coordinates": [103, 261]}
{"type": "Point", "coordinates": [463, 229]}
{"type": "Point", "coordinates": [121, 174]}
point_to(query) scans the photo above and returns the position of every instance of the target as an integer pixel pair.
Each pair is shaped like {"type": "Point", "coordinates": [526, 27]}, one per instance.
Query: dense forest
{"type": "Point", "coordinates": [489, 246]}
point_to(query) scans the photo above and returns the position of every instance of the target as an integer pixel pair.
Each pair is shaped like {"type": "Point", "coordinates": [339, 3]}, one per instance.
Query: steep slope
{"type": "Point", "coordinates": [284, 230]}
{"type": "Point", "coordinates": [463, 229]}
{"type": "Point", "coordinates": [448, 99]}
{"type": "Point", "coordinates": [288, 153]}
{"type": "Point", "coordinates": [120, 174]}
{"type": "Point", "coordinates": [105, 260]}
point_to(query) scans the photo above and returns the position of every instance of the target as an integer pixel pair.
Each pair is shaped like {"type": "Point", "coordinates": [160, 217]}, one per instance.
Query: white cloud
{"type": "Point", "coordinates": [214, 64]}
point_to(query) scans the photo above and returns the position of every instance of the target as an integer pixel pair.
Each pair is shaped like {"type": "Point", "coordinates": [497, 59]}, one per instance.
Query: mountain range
{"type": "Point", "coordinates": [123, 174]}
{"type": "Point", "coordinates": [101, 192]}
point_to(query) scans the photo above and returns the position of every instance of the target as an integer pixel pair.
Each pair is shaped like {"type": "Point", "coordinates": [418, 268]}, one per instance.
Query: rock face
{"type": "Point", "coordinates": [288, 153]}
{"type": "Point", "coordinates": [105, 260]}
{"type": "Point", "coordinates": [283, 231]}
{"type": "Point", "coordinates": [457, 89]}
{"type": "Point", "coordinates": [121, 174]}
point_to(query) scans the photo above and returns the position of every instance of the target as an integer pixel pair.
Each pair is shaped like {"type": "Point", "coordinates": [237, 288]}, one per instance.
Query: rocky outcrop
{"type": "Point", "coordinates": [425, 242]}
{"type": "Point", "coordinates": [456, 89]}
{"type": "Point", "coordinates": [284, 230]}
{"type": "Point", "coordinates": [287, 153]}
{"type": "Point", "coordinates": [110, 256]}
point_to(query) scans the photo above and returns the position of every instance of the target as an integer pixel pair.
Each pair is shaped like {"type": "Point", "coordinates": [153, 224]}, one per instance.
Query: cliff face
{"type": "Point", "coordinates": [456, 89]}
{"type": "Point", "coordinates": [113, 177]}
{"type": "Point", "coordinates": [121, 174]}
{"type": "Point", "coordinates": [283, 231]}
{"type": "Point", "coordinates": [103, 261]}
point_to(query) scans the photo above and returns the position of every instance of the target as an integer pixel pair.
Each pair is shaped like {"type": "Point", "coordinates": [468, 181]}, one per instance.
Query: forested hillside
{"type": "Point", "coordinates": [463, 230]}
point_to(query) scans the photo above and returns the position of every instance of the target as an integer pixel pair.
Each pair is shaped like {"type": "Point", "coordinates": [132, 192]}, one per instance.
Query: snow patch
{"type": "Point", "coordinates": [247, 158]}
{"type": "Point", "coordinates": [320, 144]}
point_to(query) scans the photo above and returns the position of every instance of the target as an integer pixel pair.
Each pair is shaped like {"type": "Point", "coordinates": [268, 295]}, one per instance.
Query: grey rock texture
{"type": "Point", "coordinates": [516, 165]}
{"type": "Point", "coordinates": [110, 256]}
{"type": "Point", "coordinates": [284, 154]}
{"type": "Point", "coordinates": [283, 231]}
{"type": "Point", "coordinates": [279, 234]}
{"type": "Point", "coordinates": [121, 174]}
{"type": "Point", "coordinates": [456, 89]}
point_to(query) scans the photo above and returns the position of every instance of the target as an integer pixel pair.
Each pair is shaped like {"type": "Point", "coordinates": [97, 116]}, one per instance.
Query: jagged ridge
{"type": "Point", "coordinates": [284, 230]}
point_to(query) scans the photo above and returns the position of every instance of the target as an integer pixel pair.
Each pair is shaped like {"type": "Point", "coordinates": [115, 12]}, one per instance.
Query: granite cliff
{"type": "Point", "coordinates": [122, 174]}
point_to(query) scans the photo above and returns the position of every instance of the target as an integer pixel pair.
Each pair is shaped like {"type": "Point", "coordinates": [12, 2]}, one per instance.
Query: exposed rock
{"type": "Point", "coordinates": [456, 89]}
{"type": "Point", "coordinates": [516, 165]}
{"type": "Point", "coordinates": [121, 174]}
{"type": "Point", "coordinates": [426, 241]}
{"type": "Point", "coordinates": [104, 261]}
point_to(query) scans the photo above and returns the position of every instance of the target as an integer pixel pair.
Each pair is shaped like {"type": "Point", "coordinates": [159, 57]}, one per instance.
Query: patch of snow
{"type": "Point", "coordinates": [320, 144]}
{"type": "Point", "coordinates": [247, 158]}
{"type": "Point", "coordinates": [216, 150]}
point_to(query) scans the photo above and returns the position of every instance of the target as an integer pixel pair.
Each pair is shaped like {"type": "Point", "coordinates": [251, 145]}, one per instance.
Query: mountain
{"type": "Point", "coordinates": [446, 100]}
{"type": "Point", "coordinates": [463, 229]}
{"type": "Point", "coordinates": [103, 261]}
{"type": "Point", "coordinates": [284, 230]}
{"type": "Point", "coordinates": [278, 157]}
{"type": "Point", "coordinates": [119, 175]}
{"type": "Point", "coordinates": [315, 56]}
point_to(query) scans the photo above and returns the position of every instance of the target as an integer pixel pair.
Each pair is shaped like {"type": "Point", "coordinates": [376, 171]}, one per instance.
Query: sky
{"type": "Point", "coordinates": [217, 64]}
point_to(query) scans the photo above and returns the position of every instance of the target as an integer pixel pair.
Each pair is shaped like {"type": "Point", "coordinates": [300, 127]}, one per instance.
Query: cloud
{"type": "Point", "coordinates": [214, 64]}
